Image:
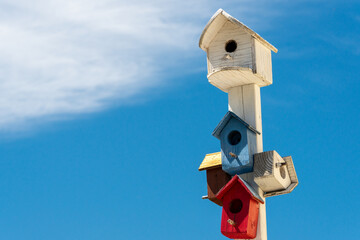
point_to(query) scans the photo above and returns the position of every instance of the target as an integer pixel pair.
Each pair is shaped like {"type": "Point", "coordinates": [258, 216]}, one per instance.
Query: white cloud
{"type": "Point", "coordinates": [69, 57]}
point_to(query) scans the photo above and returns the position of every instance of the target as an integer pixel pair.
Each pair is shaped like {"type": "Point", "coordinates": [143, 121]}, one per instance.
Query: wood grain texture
{"type": "Point", "coordinates": [245, 100]}
{"type": "Point", "coordinates": [241, 162]}
{"type": "Point", "coordinates": [269, 175]}
{"type": "Point", "coordinates": [226, 78]}
{"type": "Point", "coordinates": [252, 108]}
{"type": "Point", "coordinates": [249, 63]}
{"type": "Point", "coordinates": [241, 57]}
{"type": "Point", "coordinates": [293, 177]}
{"type": "Point", "coordinates": [215, 24]}
{"type": "Point", "coordinates": [262, 62]}
{"type": "Point", "coordinates": [246, 220]}
{"type": "Point", "coordinates": [211, 29]}
{"type": "Point", "coordinates": [216, 180]}
{"type": "Point", "coordinates": [211, 160]}
{"type": "Point", "coordinates": [225, 121]}
{"type": "Point", "coordinates": [236, 157]}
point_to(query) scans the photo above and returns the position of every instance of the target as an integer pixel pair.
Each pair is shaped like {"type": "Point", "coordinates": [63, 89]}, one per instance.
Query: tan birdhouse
{"type": "Point", "coordinates": [273, 174]}
{"type": "Point", "coordinates": [236, 55]}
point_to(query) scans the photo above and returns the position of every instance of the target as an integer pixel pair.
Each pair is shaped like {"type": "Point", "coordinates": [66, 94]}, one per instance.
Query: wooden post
{"type": "Point", "coordinates": [239, 63]}
{"type": "Point", "coordinates": [245, 102]}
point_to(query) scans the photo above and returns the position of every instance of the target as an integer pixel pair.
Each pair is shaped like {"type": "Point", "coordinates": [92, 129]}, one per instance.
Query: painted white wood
{"type": "Point", "coordinates": [229, 77]}
{"type": "Point", "coordinates": [249, 63]}
{"type": "Point", "coordinates": [270, 171]}
{"type": "Point", "coordinates": [216, 22]}
{"type": "Point", "coordinates": [252, 106]}
{"type": "Point", "coordinates": [211, 29]}
{"type": "Point", "coordinates": [236, 104]}
{"type": "Point", "coordinates": [241, 57]}
{"type": "Point", "coordinates": [262, 61]}
{"type": "Point", "coordinates": [293, 177]}
{"type": "Point", "coordinates": [246, 103]}
{"type": "Point", "coordinates": [209, 66]}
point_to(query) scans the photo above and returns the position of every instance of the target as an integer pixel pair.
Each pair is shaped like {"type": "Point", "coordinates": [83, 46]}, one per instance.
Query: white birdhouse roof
{"type": "Point", "coordinates": [216, 23]}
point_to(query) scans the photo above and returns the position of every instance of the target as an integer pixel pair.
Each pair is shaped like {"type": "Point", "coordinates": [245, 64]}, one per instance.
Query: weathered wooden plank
{"type": "Point", "coordinates": [211, 29]}
{"type": "Point", "coordinates": [215, 24]}
{"type": "Point", "coordinates": [211, 160]}
{"type": "Point", "coordinates": [263, 61]}
{"type": "Point", "coordinates": [215, 176]}
{"type": "Point", "coordinates": [216, 180]}
{"type": "Point", "coordinates": [293, 178]}
{"type": "Point", "coordinates": [228, 77]}
{"type": "Point", "coordinates": [245, 100]}
{"type": "Point", "coordinates": [241, 56]}
{"type": "Point", "coordinates": [270, 172]}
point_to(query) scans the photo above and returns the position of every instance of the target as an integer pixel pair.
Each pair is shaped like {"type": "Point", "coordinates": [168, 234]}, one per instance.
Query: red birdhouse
{"type": "Point", "coordinates": [240, 209]}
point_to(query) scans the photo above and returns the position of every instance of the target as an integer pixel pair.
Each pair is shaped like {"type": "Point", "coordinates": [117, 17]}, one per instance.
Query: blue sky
{"type": "Point", "coordinates": [106, 114]}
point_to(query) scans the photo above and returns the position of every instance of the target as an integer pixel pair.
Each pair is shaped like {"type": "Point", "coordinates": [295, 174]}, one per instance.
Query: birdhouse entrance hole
{"type": "Point", "coordinates": [282, 172]}
{"type": "Point", "coordinates": [234, 137]}
{"type": "Point", "coordinates": [235, 206]}
{"type": "Point", "coordinates": [230, 46]}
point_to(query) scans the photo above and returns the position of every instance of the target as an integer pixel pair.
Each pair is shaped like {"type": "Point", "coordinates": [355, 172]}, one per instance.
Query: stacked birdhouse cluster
{"type": "Point", "coordinates": [241, 176]}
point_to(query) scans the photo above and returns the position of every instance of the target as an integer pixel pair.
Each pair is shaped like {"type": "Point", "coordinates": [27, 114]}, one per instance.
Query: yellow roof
{"type": "Point", "coordinates": [211, 160]}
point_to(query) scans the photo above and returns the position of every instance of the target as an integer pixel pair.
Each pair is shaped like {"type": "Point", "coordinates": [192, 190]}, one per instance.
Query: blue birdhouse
{"type": "Point", "coordinates": [237, 144]}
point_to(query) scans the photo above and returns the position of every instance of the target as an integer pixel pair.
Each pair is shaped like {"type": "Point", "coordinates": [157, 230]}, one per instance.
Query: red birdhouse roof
{"type": "Point", "coordinates": [237, 179]}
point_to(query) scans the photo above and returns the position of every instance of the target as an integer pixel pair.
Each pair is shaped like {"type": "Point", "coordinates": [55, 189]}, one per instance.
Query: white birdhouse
{"type": "Point", "coordinates": [236, 55]}
{"type": "Point", "coordinates": [273, 174]}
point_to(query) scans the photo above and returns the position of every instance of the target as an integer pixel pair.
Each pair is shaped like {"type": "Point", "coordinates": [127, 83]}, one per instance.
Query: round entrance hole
{"type": "Point", "coordinates": [234, 137]}
{"type": "Point", "coordinates": [231, 46]}
{"type": "Point", "coordinates": [235, 206]}
{"type": "Point", "coordinates": [282, 172]}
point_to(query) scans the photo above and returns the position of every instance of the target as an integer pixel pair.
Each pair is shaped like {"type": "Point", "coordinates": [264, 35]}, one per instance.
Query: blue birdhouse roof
{"type": "Point", "coordinates": [228, 116]}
